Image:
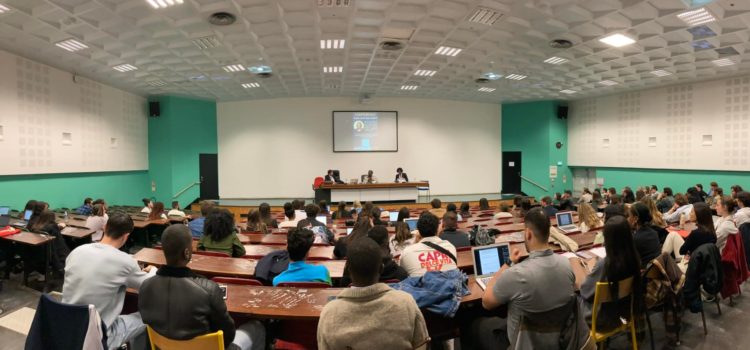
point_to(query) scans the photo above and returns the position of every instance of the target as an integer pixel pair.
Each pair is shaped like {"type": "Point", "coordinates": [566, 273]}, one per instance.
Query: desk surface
{"type": "Point", "coordinates": [29, 238]}
{"type": "Point", "coordinates": [334, 186]}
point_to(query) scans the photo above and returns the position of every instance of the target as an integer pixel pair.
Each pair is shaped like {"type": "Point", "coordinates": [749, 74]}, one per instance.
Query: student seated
{"type": "Point", "coordinates": [566, 201]}
{"type": "Point", "coordinates": [220, 235]}
{"type": "Point", "coordinates": [742, 216]}
{"type": "Point", "coordinates": [147, 205]}
{"type": "Point", "coordinates": [45, 222]}
{"type": "Point", "coordinates": [665, 200]}
{"type": "Point", "coordinates": [451, 233]}
{"type": "Point", "coordinates": [588, 220]}
{"type": "Point", "coordinates": [322, 233]}
{"type": "Point", "coordinates": [451, 207]}
{"type": "Point", "coordinates": [464, 210]}
{"type": "Point", "coordinates": [436, 208]}
{"type": "Point", "coordinates": [360, 229]}
{"type": "Point", "coordinates": [196, 225]}
{"type": "Point", "coordinates": [484, 204]}
{"type": "Point", "coordinates": [86, 207]}
{"type": "Point", "coordinates": [254, 223]}
{"type": "Point", "coordinates": [370, 315]}
{"type": "Point", "coordinates": [289, 219]}
{"type": "Point", "coordinates": [429, 251]}
{"type": "Point", "coordinates": [504, 213]}
{"type": "Point", "coordinates": [99, 274]}
{"type": "Point", "coordinates": [681, 207]}
{"type": "Point", "coordinates": [391, 270]}
{"type": "Point", "coordinates": [181, 305]}
{"type": "Point", "coordinates": [525, 288]}
{"type": "Point", "coordinates": [298, 244]}
{"type": "Point", "coordinates": [547, 207]}
{"type": "Point", "coordinates": [175, 211]}
{"type": "Point", "coordinates": [622, 262]}
{"type": "Point", "coordinates": [724, 225]}
{"type": "Point", "coordinates": [265, 215]}
{"type": "Point", "coordinates": [402, 239]}
{"type": "Point", "coordinates": [645, 238]}
{"type": "Point", "coordinates": [157, 212]}
{"type": "Point", "coordinates": [341, 213]}
{"type": "Point", "coordinates": [97, 221]}
{"type": "Point", "coordinates": [586, 196]}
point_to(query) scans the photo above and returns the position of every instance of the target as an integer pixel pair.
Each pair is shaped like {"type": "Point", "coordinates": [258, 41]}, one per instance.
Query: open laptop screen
{"type": "Point", "coordinates": [564, 219]}
{"type": "Point", "coordinates": [393, 216]}
{"type": "Point", "coordinates": [322, 219]}
{"type": "Point", "coordinates": [4, 210]}
{"type": "Point", "coordinates": [489, 259]}
{"type": "Point", "coordinates": [412, 224]}
{"type": "Point", "coordinates": [27, 214]}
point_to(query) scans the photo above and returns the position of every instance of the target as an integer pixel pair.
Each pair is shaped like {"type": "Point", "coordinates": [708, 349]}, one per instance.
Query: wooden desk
{"type": "Point", "coordinates": [77, 232]}
{"type": "Point", "coordinates": [389, 191]}
{"type": "Point", "coordinates": [34, 240]}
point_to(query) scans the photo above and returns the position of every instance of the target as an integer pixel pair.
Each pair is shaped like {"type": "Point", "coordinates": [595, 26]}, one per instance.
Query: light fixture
{"type": "Point", "coordinates": [448, 51]}
{"type": "Point", "coordinates": [556, 60]}
{"type": "Point", "coordinates": [124, 68]}
{"type": "Point", "coordinates": [71, 45]}
{"type": "Point", "coordinates": [163, 3]}
{"type": "Point", "coordinates": [723, 62]}
{"type": "Point", "coordinates": [617, 40]}
{"type": "Point", "coordinates": [425, 73]}
{"type": "Point", "coordinates": [333, 69]}
{"type": "Point", "coordinates": [156, 83]}
{"type": "Point", "coordinates": [409, 87]}
{"type": "Point", "coordinates": [234, 68]}
{"type": "Point", "coordinates": [485, 16]}
{"type": "Point", "coordinates": [486, 89]}
{"type": "Point", "coordinates": [515, 77]}
{"type": "Point", "coordinates": [334, 3]}
{"type": "Point", "coordinates": [260, 69]}
{"type": "Point", "coordinates": [250, 85]}
{"type": "Point", "coordinates": [4, 9]}
{"type": "Point", "coordinates": [206, 42]}
{"type": "Point", "coordinates": [492, 76]}
{"type": "Point", "coordinates": [567, 91]}
{"type": "Point", "coordinates": [696, 17]}
{"type": "Point", "coordinates": [660, 73]}
{"type": "Point", "coordinates": [608, 82]}
{"type": "Point", "coordinates": [332, 43]}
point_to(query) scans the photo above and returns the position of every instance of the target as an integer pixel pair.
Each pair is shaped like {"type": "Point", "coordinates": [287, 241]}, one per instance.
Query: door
{"type": "Point", "coordinates": [209, 171]}
{"type": "Point", "coordinates": [511, 172]}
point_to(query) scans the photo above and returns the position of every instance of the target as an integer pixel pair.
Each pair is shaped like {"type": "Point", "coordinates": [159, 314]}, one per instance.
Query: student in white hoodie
{"type": "Point", "coordinates": [724, 225]}
{"type": "Point", "coordinates": [742, 216]}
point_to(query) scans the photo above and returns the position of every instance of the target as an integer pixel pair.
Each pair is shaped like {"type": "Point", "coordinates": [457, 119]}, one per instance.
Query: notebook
{"type": "Point", "coordinates": [488, 260]}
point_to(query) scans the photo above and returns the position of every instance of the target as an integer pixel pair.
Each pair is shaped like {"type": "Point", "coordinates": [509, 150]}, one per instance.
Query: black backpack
{"type": "Point", "coordinates": [271, 266]}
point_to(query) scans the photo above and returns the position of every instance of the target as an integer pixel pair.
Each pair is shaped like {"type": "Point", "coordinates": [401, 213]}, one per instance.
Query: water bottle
{"type": "Point", "coordinates": [65, 216]}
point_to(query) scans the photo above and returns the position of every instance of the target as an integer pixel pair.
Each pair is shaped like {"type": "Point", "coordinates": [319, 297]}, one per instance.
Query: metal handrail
{"type": "Point", "coordinates": [533, 183]}
{"type": "Point", "coordinates": [179, 193]}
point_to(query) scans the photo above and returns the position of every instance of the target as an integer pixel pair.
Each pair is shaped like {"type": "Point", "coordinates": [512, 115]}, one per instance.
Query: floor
{"type": "Point", "coordinates": [724, 332]}
{"type": "Point", "coordinates": [421, 199]}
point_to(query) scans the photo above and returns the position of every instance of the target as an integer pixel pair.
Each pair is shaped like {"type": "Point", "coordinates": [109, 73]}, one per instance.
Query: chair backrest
{"type": "Point", "coordinates": [463, 249]}
{"type": "Point", "coordinates": [47, 332]}
{"type": "Point", "coordinates": [318, 181]}
{"type": "Point", "coordinates": [602, 294]}
{"type": "Point", "coordinates": [304, 284]}
{"type": "Point", "coordinates": [211, 341]}
{"type": "Point", "coordinates": [239, 281]}
{"type": "Point", "coordinates": [318, 258]}
{"type": "Point", "coordinates": [211, 253]}
{"type": "Point", "coordinates": [565, 322]}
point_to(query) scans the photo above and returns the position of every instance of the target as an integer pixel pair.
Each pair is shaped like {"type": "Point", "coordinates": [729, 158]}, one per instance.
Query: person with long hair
{"type": "Point", "coordinates": [627, 195]}
{"type": "Point", "coordinates": [356, 207]}
{"type": "Point", "coordinates": [39, 207]}
{"type": "Point", "coordinates": [735, 190]}
{"type": "Point", "coordinates": [361, 227]}
{"type": "Point", "coordinates": [588, 218]}
{"type": "Point", "coordinates": [157, 212]}
{"type": "Point", "coordinates": [703, 233]}
{"type": "Point", "coordinates": [525, 207]}
{"type": "Point", "coordinates": [391, 270]}
{"type": "Point", "coordinates": [341, 213]}
{"type": "Point", "coordinates": [657, 220]}
{"type": "Point", "coordinates": [724, 225]}
{"type": "Point", "coordinates": [586, 196]}
{"type": "Point", "coordinates": [402, 239]}
{"type": "Point", "coordinates": [45, 223]}
{"type": "Point", "coordinates": [254, 223]}
{"type": "Point", "coordinates": [645, 238]}
{"type": "Point", "coordinates": [265, 215]}
{"type": "Point", "coordinates": [97, 221]}
{"type": "Point", "coordinates": [484, 204]}
{"type": "Point", "coordinates": [464, 210]}
{"type": "Point", "coordinates": [622, 262]}
{"type": "Point", "coordinates": [219, 234]}
{"type": "Point", "coordinates": [403, 214]}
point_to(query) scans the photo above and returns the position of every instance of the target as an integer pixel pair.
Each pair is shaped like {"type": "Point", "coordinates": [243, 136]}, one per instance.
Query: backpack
{"type": "Point", "coordinates": [271, 266]}
{"type": "Point", "coordinates": [480, 236]}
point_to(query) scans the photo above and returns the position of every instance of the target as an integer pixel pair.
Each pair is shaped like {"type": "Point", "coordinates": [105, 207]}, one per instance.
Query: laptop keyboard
{"type": "Point", "coordinates": [484, 281]}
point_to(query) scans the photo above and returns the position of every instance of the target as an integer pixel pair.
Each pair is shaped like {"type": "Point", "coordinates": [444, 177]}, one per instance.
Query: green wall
{"type": "Point", "coordinates": [678, 180]}
{"type": "Point", "coordinates": [185, 129]}
{"type": "Point", "coordinates": [533, 129]}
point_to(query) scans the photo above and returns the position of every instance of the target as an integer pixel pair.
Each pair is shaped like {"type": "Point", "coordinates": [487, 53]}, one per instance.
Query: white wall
{"type": "Point", "coordinates": [677, 117]}
{"type": "Point", "coordinates": [39, 103]}
{"type": "Point", "coordinates": [275, 148]}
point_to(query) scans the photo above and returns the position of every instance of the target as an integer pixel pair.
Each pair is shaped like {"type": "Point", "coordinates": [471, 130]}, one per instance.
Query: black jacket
{"type": "Point", "coordinates": [647, 244]}
{"type": "Point", "coordinates": [406, 177]}
{"type": "Point", "coordinates": [181, 305]}
{"type": "Point", "coordinates": [704, 269]}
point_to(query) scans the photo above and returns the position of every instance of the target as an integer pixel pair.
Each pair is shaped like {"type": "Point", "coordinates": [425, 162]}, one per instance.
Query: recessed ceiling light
{"type": "Point", "coordinates": [617, 40]}
{"type": "Point", "coordinates": [334, 3]}
{"type": "Point", "coordinates": [260, 69]}
{"type": "Point", "coordinates": [555, 60]}
{"type": "Point", "coordinates": [250, 85]}
{"type": "Point", "coordinates": [332, 43]}
{"type": "Point", "coordinates": [234, 68]}
{"type": "Point", "coordinates": [124, 68]}
{"type": "Point", "coordinates": [163, 3]}
{"type": "Point", "coordinates": [485, 16]}
{"type": "Point", "coordinates": [492, 76]}
{"type": "Point", "coordinates": [206, 42]}
{"type": "Point", "coordinates": [71, 45]}
{"type": "Point", "coordinates": [486, 89]}
{"type": "Point", "coordinates": [515, 77]}
{"type": "Point", "coordinates": [723, 62]}
{"type": "Point", "coordinates": [567, 91]}
{"type": "Point", "coordinates": [425, 73]}
{"type": "Point", "coordinates": [333, 69]}
{"type": "Point", "coordinates": [696, 17]}
{"type": "Point", "coordinates": [4, 9]}
{"type": "Point", "coordinates": [409, 87]}
{"type": "Point", "coordinates": [448, 51]}
{"type": "Point", "coordinates": [156, 83]}
{"type": "Point", "coordinates": [608, 82]}
{"type": "Point", "coordinates": [661, 73]}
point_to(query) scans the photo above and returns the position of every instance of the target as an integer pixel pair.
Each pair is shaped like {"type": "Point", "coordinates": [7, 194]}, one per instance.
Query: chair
{"type": "Point", "coordinates": [63, 326]}
{"type": "Point", "coordinates": [463, 249]}
{"type": "Point", "coordinates": [294, 334]}
{"type": "Point", "coordinates": [421, 189]}
{"type": "Point", "coordinates": [556, 321]}
{"type": "Point", "coordinates": [665, 295]}
{"type": "Point", "coordinates": [602, 295]}
{"type": "Point", "coordinates": [238, 281]}
{"type": "Point", "coordinates": [317, 182]}
{"type": "Point", "coordinates": [210, 253]}
{"type": "Point", "coordinates": [201, 342]}
{"type": "Point", "coordinates": [154, 233]}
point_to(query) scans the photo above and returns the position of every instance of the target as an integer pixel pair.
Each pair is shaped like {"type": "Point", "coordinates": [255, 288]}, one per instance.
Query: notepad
{"type": "Point", "coordinates": [599, 251]}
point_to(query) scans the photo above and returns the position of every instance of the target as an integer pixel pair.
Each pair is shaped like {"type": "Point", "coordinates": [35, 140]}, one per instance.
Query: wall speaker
{"type": "Point", "coordinates": [562, 112]}
{"type": "Point", "coordinates": [153, 109]}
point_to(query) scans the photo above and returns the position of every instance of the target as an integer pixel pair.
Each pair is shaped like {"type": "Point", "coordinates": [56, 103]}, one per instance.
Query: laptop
{"type": "Point", "coordinates": [26, 217]}
{"type": "Point", "coordinates": [4, 210]}
{"type": "Point", "coordinates": [488, 259]}
{"type": "Point", "coordinates": [565, 222]}
{"type": "Point", "coordinates": [321, 218]}
{"type": "Point", "coordinates": [393, 216]}
{"type": "Point", "coordinates": [412, 223]}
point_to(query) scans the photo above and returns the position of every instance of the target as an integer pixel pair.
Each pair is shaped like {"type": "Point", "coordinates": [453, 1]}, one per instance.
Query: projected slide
{"type": "Point", "coordinates": [370, 131]}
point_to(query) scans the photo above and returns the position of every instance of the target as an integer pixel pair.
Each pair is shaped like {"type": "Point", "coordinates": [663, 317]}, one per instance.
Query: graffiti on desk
{"type": "Point", "coordinates": [280, 298]}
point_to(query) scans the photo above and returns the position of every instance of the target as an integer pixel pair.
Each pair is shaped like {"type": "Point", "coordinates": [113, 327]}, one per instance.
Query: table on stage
{"type": "Point", "coordinates": [378, 192]}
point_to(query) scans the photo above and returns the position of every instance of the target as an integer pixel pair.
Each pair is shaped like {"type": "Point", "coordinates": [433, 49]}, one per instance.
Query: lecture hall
{"type": "Point", "coordinates": [374, 174]}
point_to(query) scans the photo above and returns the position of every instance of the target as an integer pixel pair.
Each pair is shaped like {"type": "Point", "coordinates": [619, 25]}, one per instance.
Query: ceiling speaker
{"type": "Point", "coordinates": [391, 45]}
{"type": "Point", "coordinates": [264, 75]}
{"type": "Point", "coordinates": [222, 19]}
{"type": "Point", "coordinates": [561, 44]}
{"type": "Point", "coordinates": [481, 80]}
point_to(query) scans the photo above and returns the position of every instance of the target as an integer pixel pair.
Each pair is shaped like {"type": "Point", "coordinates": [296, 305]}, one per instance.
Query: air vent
{"type": "Point", "coordinates": [206, 42]}
{"type": "Point", "coordinates": [485, 16]}
{"type": "Point", "coordinates": [727, 51]}
{"type": "Point", "coordinates": [482, 81]}
{"type": "Point", "coordinates": [334, 3]}
{"type": "Point", "coordinates": [561, 44]}
{"type": "Point", "coordinates": [222, 19]}
{"type": "Point", "coordinates": [264, 75]}
{"type": "Point", "coordinates": [391, 45]}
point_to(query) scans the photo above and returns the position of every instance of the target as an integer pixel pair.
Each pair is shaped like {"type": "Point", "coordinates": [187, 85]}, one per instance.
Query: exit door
{"type": "Point", "coordinates": [511, 172]}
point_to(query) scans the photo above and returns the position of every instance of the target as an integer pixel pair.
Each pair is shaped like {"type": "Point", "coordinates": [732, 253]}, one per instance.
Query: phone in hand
{"type": "Point", "coordinates": [223, 288]}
